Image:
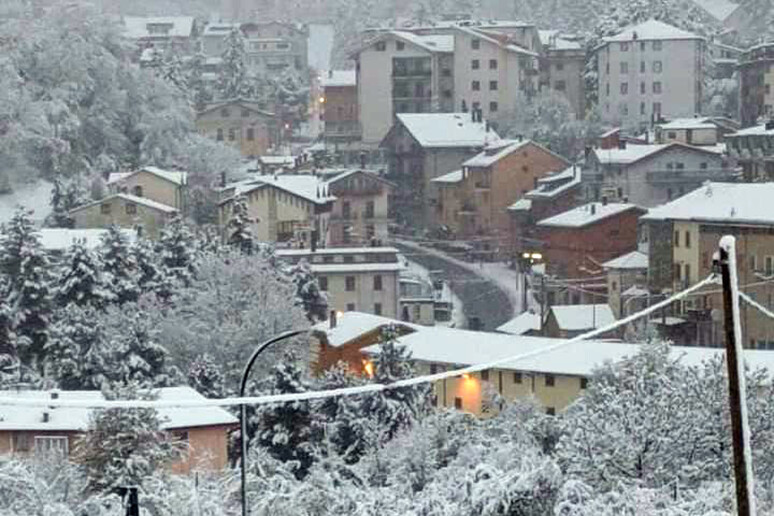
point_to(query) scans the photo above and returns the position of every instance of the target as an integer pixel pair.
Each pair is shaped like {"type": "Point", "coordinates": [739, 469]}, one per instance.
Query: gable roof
{"type": "Point", "coordinates": [497, 150]}
{"type": "Point", "coordinates": [143, 201]}
{"type": "Point", "coordinates": [433, 43]}
{"type": "Point", "coordinates": [730, 203]}
{"type": "Point", "coordinates": [451, 178]}
{"type": "Point", "coordinates": [242, 103]}
{"type": "Point", "coordinates": [633, 260]}
{"type": "Point", "coordinates": [446, 130]}
{"type": "Point", "coordinates": [499, 39]}
{"type": "Point", "coordinates": [582, 317]}
{"type": "Point", "coordinates": [351, 325]}
{"type": "Point", "coordinates": [651, 30]}
{"type": "Point", "coordinates": [304, 186]}
{"type": "Point", "coordinates": [173, 176]}
{"type": "Point", "coordinates": [521, 324]}
{"type": "Point", "coordinates": [136, 27]}
{"type": "Point", "coordinates": [634, 153]}
{"type": "Point", "coordinates": [587, 214]}
{"type": "Point", "coordinates": [338, 78]}
{"type": "Point", "coordinates": [690, 123]}
{"type": "Point", "coordinates": [366, 173]}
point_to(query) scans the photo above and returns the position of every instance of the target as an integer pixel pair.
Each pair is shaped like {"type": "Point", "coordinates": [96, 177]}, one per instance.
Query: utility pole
{"type": "Point", "coordinates": [740, 427]}
{"type": "Point", "coordinates": [542, 304]}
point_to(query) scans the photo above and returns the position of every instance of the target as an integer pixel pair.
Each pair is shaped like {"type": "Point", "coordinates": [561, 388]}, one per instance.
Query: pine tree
{"type": "Point", "coordinates": [81, 279]}
{"type": "Point", "coordinates": [172, 72]}
{"type": "Point", "coordinates": [75, 352]}
{"type": "Point", "coordinates": [17, 233]}
{"type": "Point", "coordinates": [233, 76]}
{"type": "Point", "coordinates": [285, 429]}
{"type": "Point", "coordinates": [59, 217]}
{"type": "Point", "coordinates": [177, 252]}
{"type": "Point", "coordinates": [238, 231]}
{"type": "Point", "coordinates": [343, 423]}
{"type": "Point", "coordinates": [308, 293]}
{"type": "Point", "coordinates": [198, 92]}
{"type": "Point", "coordinates": [150, 274]}
{"type": "Point", "coordinates": [119, 266]}
{"type": "Point", "coordinates": [205, 376]}
{"type": "Point", "coordinates": [395, 409]}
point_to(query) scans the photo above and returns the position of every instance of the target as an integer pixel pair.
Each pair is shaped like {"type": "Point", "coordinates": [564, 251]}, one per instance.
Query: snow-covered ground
{"type": "Point", "coordinates": [458, 315]}
{"type": "Point", "coordinates": [35, 196]}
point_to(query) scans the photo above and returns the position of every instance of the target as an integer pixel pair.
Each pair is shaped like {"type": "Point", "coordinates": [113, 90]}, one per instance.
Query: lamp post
{"type": "Point", "coordinates": [527, 260]}
{"type": "Point", "coordinates": [243, 407]}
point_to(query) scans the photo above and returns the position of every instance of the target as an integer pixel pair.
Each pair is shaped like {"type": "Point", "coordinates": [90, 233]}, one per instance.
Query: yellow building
{"type": "Point", "coordinates": [162, 186]}
{"type": "Point", "coordinates": [238, 123]}
{"type": "Point", "coordinates": [126, 211]}
{"type": "Point", "coordinates": [283, 208]}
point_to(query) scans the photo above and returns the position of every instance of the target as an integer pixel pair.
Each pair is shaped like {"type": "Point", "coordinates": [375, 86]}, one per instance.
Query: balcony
{"type": "Point", "coordinates": [686, 176]}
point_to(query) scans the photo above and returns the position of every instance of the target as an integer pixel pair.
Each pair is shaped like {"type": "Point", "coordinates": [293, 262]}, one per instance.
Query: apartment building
{"type": "Point", "coordinates": [401, 72]}
{"type": "Point", "coordinates": [163, 186]}
{"type": "Point", "coordinates": [683, 236]}
{"type": "Point", "coordinates": [756, 76]}
{"type": "Point", "coordinates": [421, 147]}
{"type": "Point", "coordinates": [698, 131]}
{"type": "Point", "coordinates": [361, 212]}
{"type": "Point", "coordinates": [125, 211]}
{"type": "Point", "coordinates": [752, 149]}
{"type": "Point", "coordinates": [239, 123]}
{"type": "Point", "coordinates": [175, 34]}
{"type": "Point", "coordinates": [652, 174]}
{"type": "Point", "coordinates": [562, 66]}
{"type": "Point", "coordinates": [473, 201]}
{"type": "Point", "coordinates": [650, 71]}
{"type": "Point", "coordinates": [364, 279]}
{"type": "Point", "coordinates": [339, 106]}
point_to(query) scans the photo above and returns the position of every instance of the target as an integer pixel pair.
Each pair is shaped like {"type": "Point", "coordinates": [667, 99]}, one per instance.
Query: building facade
{"type": "Point", "coordinates": [361, 212]}
{"type": "Point", "coordinates": [125, 211]}
{"type": "Point", "coordinates": [162, 186]}
{"type": "Point", "coordinates": [752, 149]}
{"type": "Point", "coordinates": [340, 106]}
{"type": "Point", "coordinates": [562, 66]}
{"type": "Point", "coordinates": [238, 123]}
{"type": "Point", "coordinates": [756, 77]}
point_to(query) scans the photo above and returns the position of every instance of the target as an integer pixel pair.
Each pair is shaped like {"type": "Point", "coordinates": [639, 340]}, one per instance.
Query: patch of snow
{"type": "Point", "coordinates": [587, 214]}
{"type": "Point", "coordinates": [521, 324]}
{"type": "Point", "coordinates": [35, 196]}
{"type": "Point", "coordinates": [582, 317]}
{"type": "Point", "coordinates": [440, 130]}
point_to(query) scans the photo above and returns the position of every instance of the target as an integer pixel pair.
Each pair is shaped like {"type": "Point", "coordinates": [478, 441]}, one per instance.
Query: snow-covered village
{"type": "Point", "coordinates": [386, 258]}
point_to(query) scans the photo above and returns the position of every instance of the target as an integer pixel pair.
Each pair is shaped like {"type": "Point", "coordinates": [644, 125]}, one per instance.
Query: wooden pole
{"type": "Point", "coordinates": [740, 428]}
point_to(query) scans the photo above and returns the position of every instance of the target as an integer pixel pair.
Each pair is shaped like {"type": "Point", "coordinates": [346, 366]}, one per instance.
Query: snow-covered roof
{"type": "Point", "coordinates": [586, 214]}
{"type": "Point", "coordinates": [328, 251]}
{"type": "Point", "coordinates": [651, 30]}
{"type": "Point", "coordinates": [20, 417]}
{"type": "Point", "coordinates": [522, 204]}
{"type": "Point", "coordinates": [567, 179]}
{"type": "Point", "coordinates": [60, 239]}
{"type": "Point", "coordinates": [582, 317]}
{"type": "Point", "coordinates": [341, 268]}
{"type": "Point", "coordinates": [432, 43]}
{"type": "Point", "coordinates": [336, 78]}
{"type": "Point", "coordinates": [305, 186]}
{"type": "Point", "coordinates": [450, 178]}
{"type": "Point", "coordinates": [633, 260]}
{"type": "Point", "coordinates": [351, 325]}
{"type": "Point", "coordinates": [689, 123]}
{"type": "Point", "coordinates": [337, 175]}
{"type": "Point", "coordinates": [219, 29]}
{"type": "Point", "coordinates": [143, 201]}
{"type": "Point", "coordinates": [553, 39]}
{"type": "Point", "coordinates": [503, 42]}
{"type": "Point", "coordinates": [628, 155]}
{"type": "Point", "coordinates": [718, 9]}
{"type": "Point", "coordinates": [634, 291]}
{"type": "Point", "coordinates": [137, 27]}
{"type": "Point", "coordinates": [277, 160]}
{"type": "Point", "coordinates": [521, 324]}
{"type": "Point", "coordinates": [756, 130]}
{"type": "Point", "coordinates": [173, 176]}
{"type": "Point", "coordinates": [446, 129]}
{"type": "Point", "coordinates": [730, 203]}
{"type": "Point", "coordinates": [494, 152]}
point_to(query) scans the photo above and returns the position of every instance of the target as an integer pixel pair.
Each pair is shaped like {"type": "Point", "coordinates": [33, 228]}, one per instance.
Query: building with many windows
{"type": "Point", "coordinates": [239, 123]}
{"type": "Point", "coordinates": [338, 104]}
{"type": "Point", "coordinates": [562, 64]}
{"type": "Point", "coordinates": [752, 149]}
{"type": "Point", "coordinates": [756, 76]}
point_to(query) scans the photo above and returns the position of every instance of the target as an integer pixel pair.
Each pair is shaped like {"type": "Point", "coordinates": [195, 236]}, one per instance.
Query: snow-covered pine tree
{"type": "Point", "coordinates": [177, 252]}
{"type": "Point", "coordinates": [198, 92]}
{"type": "Point", "coordinates": [123, 447]}
{"type": "Point", "coordinates": [204, 375]}
{"type": "Point", "coordinates": [172, 71]}
{"type": "Point", "coordinates": [238, 231]}
{"type": "Point", "coordinates": [150, 275]}
{"type": "Point", "coordinates": [81, 280]}
{"type": "Point", "coordinates": [308, 293]}
{"type": "Point", "coordinates": [233, 80]}
{"type": "Point", "coordinates": [76, 356]}
{"type": "Point", "coordinates": [17, 233]}
{"type": "Point", "coordinates": [395, 409]}
{"type": "Point", "coordinates": [118, 265]}
{"type": "Point", "coordinates": [285, 429]}
{"type": "Point", "coordinates": [59, 217]}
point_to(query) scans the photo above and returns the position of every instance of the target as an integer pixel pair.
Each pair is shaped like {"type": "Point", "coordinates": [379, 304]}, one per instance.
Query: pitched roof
{"type": "Point", "coordinates": [443, 130]}
{"type": "Point", "coordinates": [582, 317]}
{"type": "Point", "coordinates": [690, 123]}
{"type": "Point", "coordinates": [305, 186]}
{"type": "Point", "coordinates": [634, 152]}
{"type": "Point", "coordinates": [521, 324]}
{"type": "Point", "coordinates": [30, 417]}
{"type": "Point", "coordinates": [553, 40]}
{"type": "Point", "coordinates": [730, 203]}
{"type": "Point", "coordinates": [243, 103]}
{"type": "Point", "coordinates": [651, 30]}
{"type": "Point", "coordinates": [136, 27]}
{"type": "Point", "coordinates": [176, 177]}
{"type": "Point", "coordinates": [756, 130]}
{"type": "Point", "coordinates": [718, 9]}
{"type": "Point", "coordinates": [143, 201]}
{"type": "Point", "coordinates": [633, 260]}
{"type": "Point", "coordinates": [60, 239]}
{"type": "Point", "coordinates": [355, 171]}
{"type": "Point", "coordinates": [337, 78]}
{"type": "Point", "coordinates": [351, 325]}
{"type": "Point", "coordinates": [327, 251]}
{"type": "Point", "coordinates": [452, 177]}
{"type": "Point", "coordinates": [586, 214]}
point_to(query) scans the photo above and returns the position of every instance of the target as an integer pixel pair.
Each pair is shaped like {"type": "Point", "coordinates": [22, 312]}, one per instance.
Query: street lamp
{"type": "Point", "coordinates": [243, 407]}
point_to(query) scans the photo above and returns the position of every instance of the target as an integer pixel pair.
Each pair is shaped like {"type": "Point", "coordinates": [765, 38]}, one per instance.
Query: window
{"type": "Point", "coordinates": [676, 272]}
{"type": "Point", "coordinates": [753, 263]}
{"type": "Point", "coordinates": [687, 275]}
{"type": "Point", "coordinates": [346, 210]}
{"type": "Point", "coordinates": [642, 67]}
{"type": "Point", "coordinates": [493, 64]}
{"type": "Point", "coordinates": [687, 239]}
{"type": "Point", "coordinates": [458, 403]}
{"type": "Point", "coordinates": [381, 46]}
{"type": "Point", "coordinates": [550, 380]}
{"type": "Point", "coordinates": [607, 68]}
{"type": "Point", "coordinates": [137, 191]}
{"type": "Point", "coordinates": [250, 134]}
{"type": "Point", "coordinates": [231, 134]}
{"type": "Point", "coordinates": [642, 87]}
{"type": "Point", "coordinates": [369, 211]}
{"type": "Point", "coordinates": [350, 307]}
{"type": "Point", "coordinates": [476, 105]}
{"type": "Point", "coordinates": [51, 445]}
{"type": "Point", "coordinates": [131, 208]}
{"type": "Point", "coordinates": [349, 259]}
{"type": "Point", "coordinates": [559, 66]}
{"type": "Point", "coordinates": [624, 47]}
{"type": "Point", "coordinates": [560, 85]}
{"type": "Point", "coordinates": [624, 88]}
{"type": "Point", "coordinates": [493, 107]}
{"type": "Point", "coordinates": [677, 239]}
{"type": "Point", "coordinates": [225, 113]}
{"type": "Point", "coordinates": [584, 383]}
{"type": "Point", "coordinates": [399, 45]}
{"type": "Point", "coordinates": [657, 87]}
{"type": "Point", "coordinates": [475, 64]}
{"type": "Point", "coordinates": [657, 108]}
{"type": "Point", "coordinates": [377, 282]}
{"type": "Point", "coordinates": [624, 67]}
{"type": "Point", "coordinates": [517, 378]}
{"type": "Point", "coordinates": [607, 89]}
{"type": "Point", "coordinates": [657, 67]}
{"type": "Point", "coordinates": [657, 45]}
{"type": "Point", "coordinates": [492, 85]}
{"type": "Point", "coordinates": [433, 368]}
{"type": "Point", "coordinates": [21, 442]}
{"type": "Point", "coordinates": [219, 135]}
{"type": "Point", "coordinates": [476, 86]}
{"type": "Point", "coordinates": [377, 309]}
{"type": "Point", "coordinates": [475, 44]}
{"type": "Point", "coordinates": [642, 45]}
{"type": "Point", "coordinates": [485, 375]}
{"type": "Point", "coordinates": [245, 113]}
{"type": "Point", "coordinates": [322, 282]}
{"type": "Point", "coordinates": [642, 108]}
{"type": "Point", "coordinates": [350, 283]}
{"type": "Point", "coordinates": [703, 166]}
{"type": "Point", "coordinates": [769, 265]}
{"type": "Point", "coordinates": [104, 209]}
{"type": "Point", "coordinates": [551, 411]}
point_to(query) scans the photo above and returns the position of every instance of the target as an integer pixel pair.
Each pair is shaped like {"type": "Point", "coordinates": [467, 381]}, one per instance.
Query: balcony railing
{"type": "Point", "coordinates": [682, 176]}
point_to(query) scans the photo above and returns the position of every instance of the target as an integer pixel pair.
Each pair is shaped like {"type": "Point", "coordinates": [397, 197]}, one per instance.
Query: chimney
{"type": "Point", "coordinates": [223, 179]}
{"type": "Point", "coordinates": [604, 200]}
{"type": "Point", "coordinates": [363, 160]}
{"type": "Point", "coordinates": [46, 417]}
{"type": "Point", "coordinates": [575, 170]}
{"type": "Point", "coordinates": [625, 200]}
{"type": "Point", "coordinates": [332, 319]}
{"type": "Point", "coordinates": [593, 209]}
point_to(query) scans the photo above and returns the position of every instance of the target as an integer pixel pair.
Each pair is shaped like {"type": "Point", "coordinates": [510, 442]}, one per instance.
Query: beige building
{"type": "Point", "coordinates": [125, 211]}
{"type": "Point", "coordinates": [238, 123]}
{"type": "Point", "coordinates": [562, 64]}
{"type": "Point", "coordinates": [361, 212]}
{"type": "Point", "coordinates": [627, 280]}
{"type": "Point", "coordinates": [364, 279]}
{"type": "Point", "coordinates": [698, 131]}
{"type": "Point", "coordinates": [162, 186]}
{"type": "Point", "coordinates": [649, 71]}
{"type": "Point", "coordinates": [293, 209]}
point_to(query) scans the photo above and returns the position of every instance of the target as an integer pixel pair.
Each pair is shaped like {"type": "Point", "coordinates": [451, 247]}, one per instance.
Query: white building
{"type": "Point", "coordinates": [649, 71]}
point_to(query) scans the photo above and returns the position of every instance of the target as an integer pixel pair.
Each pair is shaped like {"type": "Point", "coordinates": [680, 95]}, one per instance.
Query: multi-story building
{"type": "Point", "coordinates": [400, 72]}
{"type": "Point", "coordinates": [476, 204]}
{"type": "Point", "coordinates": [683, 236]}
{"type": "Point", "coordinates": [562, 63]}
{"type": "Point", "coordinates": [364, 279]}
{"type": "Point", "coordinates": [698, 131]}
{"type": "Point", "coordinates": [649, 175]}
{"type": "Point", "coordinates": [125, 211]}
{"type": "Point", "coordinates": [725, 60]}
{"type": "Point", "coordinates": [162, 186]}
{"type": "Point", "coordinates": [291, 209]}
{"type": "Point", "coordinates": [361, 212]}
{"type": "Point", "coordinates": [239, 123]}
{"type": "Point", "coordinates": [649, 71]}
{"type": "Point", "coordinates": [174, 34]}
{"type": "Point", "coordinates": [213, 38]}
{"type": "Point", "coordinates": [623, 274]}
{"type": "Point", "coordinates": [339, 106]}
{"type": "Point", "coordinates": [421, 147]}
{"type": "Point", "coordinates": [752, 149]}
{"type": "Point", "coordinates": [756, 76]}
